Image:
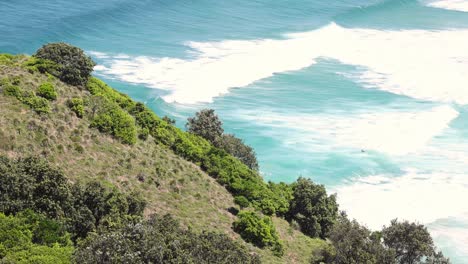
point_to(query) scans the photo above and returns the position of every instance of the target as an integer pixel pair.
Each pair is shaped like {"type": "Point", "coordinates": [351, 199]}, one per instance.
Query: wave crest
{"type": "Point", "coordinates": [427, 65]}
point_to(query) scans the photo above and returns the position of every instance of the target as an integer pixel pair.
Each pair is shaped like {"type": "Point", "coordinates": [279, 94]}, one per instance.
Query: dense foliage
{"type": "Point", "coordinates": [73, 66]}
{"type": "Point", "coordinates": [354, 243]}
{"type": "Point", "coordinates": [206, 124]}
{"type": "Point", "coordinates": [209, 126]}
{"type": "Point", "coordinates": [32, 238]}
{"type": "Point", "coordinates": [312, 208]}
{"type": "Point", "coordinates": [411, 243]}
{"type": "Point", "coordinates": [258, 230]}
{"type": "Point", "coordinates": [47, 91]}
{"type": "Point", "coordinates": [109, 118]}
{"type": "Point", "coordinates": [237, 148]}
{"type": "Point", "coordinates": [33, 184]}
{"type": "Point", "coordinates": [160, 240]}
{"type": "Point", "coordinates": [77, 106]}
{"type": "Point", "coordinates": [401, 243]}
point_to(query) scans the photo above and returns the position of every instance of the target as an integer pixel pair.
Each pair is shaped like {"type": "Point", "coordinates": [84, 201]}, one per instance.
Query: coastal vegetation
{"type": "Point", "coordinates": [101, 173]}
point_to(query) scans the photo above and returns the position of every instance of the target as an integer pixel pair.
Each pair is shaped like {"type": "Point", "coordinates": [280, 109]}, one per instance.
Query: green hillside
{"type": "Point", "coordinates": [169, 183]}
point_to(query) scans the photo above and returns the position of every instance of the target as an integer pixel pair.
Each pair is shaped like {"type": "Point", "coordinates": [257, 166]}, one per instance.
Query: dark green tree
{"type": "Point", "coordinates": [355, 244]}
{"type": "Point", "coordinates": [237, 148]}
{"type": "Point", "coordinates": [206, 124]}
{"type": "Point", "coordinates": [160, 240]}
{"type": "Point", "coordinates": [74, 66]}
{"type": "Point", "coordinates": [312, 208]}
{"type": "Point", "coordinates": [411, 242]}
{"type": "Point", "coordinates": [32, 238]}
{"type": "Point", "coordinates": [30, 183]}
{"type": "Point", "coordinates": [169, 120]}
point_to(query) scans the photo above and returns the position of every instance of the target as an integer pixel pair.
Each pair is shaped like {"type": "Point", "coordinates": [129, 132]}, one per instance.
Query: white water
{"type": "Point", "coordinates": [429, 65]}
{"type": "Point", "coordinates": [389, 132]}
{"type": "Point", "coordinates": [458, 5]}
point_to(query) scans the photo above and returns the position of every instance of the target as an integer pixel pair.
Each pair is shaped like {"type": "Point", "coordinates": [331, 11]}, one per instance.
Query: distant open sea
{"type": "Point", "coordinates": [367, 97]}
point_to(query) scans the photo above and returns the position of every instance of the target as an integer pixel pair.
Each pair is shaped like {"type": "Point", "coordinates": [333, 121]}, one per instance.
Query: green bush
{"type": "Point", "coordinates": [110, 118]}
{"type": "Point", "coordinates": [74, 67]}
{"type": "Point", "coordinates": [12, 90]}
{"type": "Point", "coordinates": [38, 104]}
{"type": "Point", "coordinates": [47, 91]}
{"type": "Point", "coordinates": [143, 134]}
{"type": "Point", "coordinates": [77, 106]}
{"type": "Point", "coordinates": [29, 237]}
{"type": "Point", "coordinates": [99, 88]}
{"type": "Point", "coordinates": [34, 64]}
{"type": "Point", "coordinates": [258, 230]}
{"type": "Point", "coordinates": [312, 208]}
{"type": "Point", "coordinates": [242, 201]}
{"type": "Point", "coordinates": [237, 148]}
{"type": "Point", "coordinates": [6, 59]}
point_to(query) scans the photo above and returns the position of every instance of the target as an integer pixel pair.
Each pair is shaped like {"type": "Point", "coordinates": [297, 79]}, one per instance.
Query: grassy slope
{"type": "Point", "coordinates": [169, 183]}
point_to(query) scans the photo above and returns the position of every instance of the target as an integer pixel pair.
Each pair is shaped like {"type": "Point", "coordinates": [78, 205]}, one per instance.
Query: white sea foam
{"type": "Point", "coordinates": [450, 236]}
{"type": "Point", "coordinates": [459, 5]}
{"type": "Point", "coordinates": [430, 65]}
{"type": "Point", "coordinates": [391, 132]}
{"type": "Point", "coordinates": [414, 196]}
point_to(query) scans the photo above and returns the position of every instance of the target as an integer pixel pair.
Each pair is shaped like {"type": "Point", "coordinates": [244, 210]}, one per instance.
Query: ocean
{"type": "Point", "coordinates": [368, 97]}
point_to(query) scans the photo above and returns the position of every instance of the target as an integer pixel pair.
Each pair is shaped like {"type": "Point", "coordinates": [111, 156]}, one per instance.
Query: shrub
{"type": "Point", "coordinates": [99, 88]}
{"type": "Point", "coordinates": [6, 59]}
{"type": "Point", "coordinates": [257, 230]}
{"type": "Point", "coordinates": [77, 106]}
{"type": "Point", "coordinates": [110, 118]}
{"type": "Point", "coordinates": [12, 90]}
{"type": "Point", "coordinates": [143, 134]}
{"type": "Point", "coordinates": [242, 201]}
{"type": "Point", "coordinates": [74, 67]}
{"type": "Point", "coordinates": [169, 120]}
{"type": "Point", "coordinates": [38, 104]}
{"type": "Point", "coordinates": [32, 238]}
{"type": "Point", "coordinates": [47, 91]}
{"type": "Point", "coordinates": [282, 195]}
{"type": "Point", "coordinates": [312, 208]}
{"type": "Point", "coordinates": [237, 148]}
{"type": "Point", "coordinates": [34, 64]}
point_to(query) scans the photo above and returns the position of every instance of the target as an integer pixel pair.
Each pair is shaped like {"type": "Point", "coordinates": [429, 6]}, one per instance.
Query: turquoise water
{"type": "Point", "coordinates": [366, 97]}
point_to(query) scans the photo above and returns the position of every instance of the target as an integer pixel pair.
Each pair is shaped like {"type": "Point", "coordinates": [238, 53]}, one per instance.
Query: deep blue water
{"type": "Point", "coordinates": [368, 99]}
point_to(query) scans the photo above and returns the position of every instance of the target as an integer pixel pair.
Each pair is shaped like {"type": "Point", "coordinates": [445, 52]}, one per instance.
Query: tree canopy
{"type": "Point", "coordinates": [206, 124]}
{"type": "Point", "coordinates": [74, 66]}
{"type": "Point", "coordinates": [312, 208]}
{"type": "Point", "coordinates": [412, 243]}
